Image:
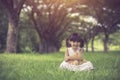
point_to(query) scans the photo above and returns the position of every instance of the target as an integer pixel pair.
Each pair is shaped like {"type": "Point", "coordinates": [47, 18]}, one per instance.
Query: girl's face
{"type": "Point", "coordinates": [74, 44]}
{"type": "Point", "coordinates": [78, 44]}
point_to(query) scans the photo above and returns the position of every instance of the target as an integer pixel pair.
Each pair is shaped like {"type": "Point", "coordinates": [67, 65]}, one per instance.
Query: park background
{"type": "Point", "coordinates": [33, 34]}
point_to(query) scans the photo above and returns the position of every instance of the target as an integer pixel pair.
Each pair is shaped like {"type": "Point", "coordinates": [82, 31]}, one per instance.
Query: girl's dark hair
{"type": "Point", "coordinates": [67, 42]}
{"type": "Point", "coordinates": [81, 42]}
{"type": "Point", "coordinates": [75, 38]}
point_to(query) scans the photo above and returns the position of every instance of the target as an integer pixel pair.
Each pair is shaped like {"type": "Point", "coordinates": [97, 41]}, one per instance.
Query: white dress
{"type": "Point", "coordinates": [82, 67]}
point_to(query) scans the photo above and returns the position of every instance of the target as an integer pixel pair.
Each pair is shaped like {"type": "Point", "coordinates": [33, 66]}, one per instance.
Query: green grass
{"type": "Point", "coordinates": [46, 67]}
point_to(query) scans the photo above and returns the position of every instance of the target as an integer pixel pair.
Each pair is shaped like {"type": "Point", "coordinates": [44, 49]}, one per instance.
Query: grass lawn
{"type": "Point", "coordinates": [46, 67]}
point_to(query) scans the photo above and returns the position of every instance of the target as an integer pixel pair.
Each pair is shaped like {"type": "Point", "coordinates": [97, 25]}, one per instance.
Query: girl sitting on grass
{"type": "Point", "coordinates": [73, 55]}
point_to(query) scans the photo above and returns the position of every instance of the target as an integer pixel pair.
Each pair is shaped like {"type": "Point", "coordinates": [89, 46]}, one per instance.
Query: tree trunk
{"type": "Point", "coordinates": [106, 39]}
{"type": "Point", "coordinates": [86, 46]}
{"type": "Point", "coordinates": [47, 46]}
{"type": "Point", "coordinates": [11, 45]}
{"type": "Point", "coordinates": [92, 44]}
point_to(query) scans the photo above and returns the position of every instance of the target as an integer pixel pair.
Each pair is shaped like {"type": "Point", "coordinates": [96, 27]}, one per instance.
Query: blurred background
{"type": "Point", "coordinates": [42, 26]}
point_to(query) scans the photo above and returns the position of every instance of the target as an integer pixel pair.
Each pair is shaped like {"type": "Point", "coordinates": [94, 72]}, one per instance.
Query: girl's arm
{"type": "Point", "coordinates": [66, 55]}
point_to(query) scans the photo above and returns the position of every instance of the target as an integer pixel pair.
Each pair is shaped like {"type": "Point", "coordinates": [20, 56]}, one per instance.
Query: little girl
{"type": "Point", "coordinates": [73, 56]}
{"type": "Point", "coordinates": [79, 45]}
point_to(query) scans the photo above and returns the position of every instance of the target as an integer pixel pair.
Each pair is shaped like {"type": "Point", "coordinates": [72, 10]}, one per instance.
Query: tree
{"type": "Point", "coordinates": [110, 23]}
{"type": "Point", "coordinates": [50, 19]}
{"type": "Point", "coordinates": [13, 9]}
{"type": "Point", "coordinates": [107, 15]}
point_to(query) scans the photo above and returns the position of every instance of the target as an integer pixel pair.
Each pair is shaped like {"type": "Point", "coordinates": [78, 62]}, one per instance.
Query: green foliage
{"type": "Point", "coordinates": [28, 38]}
{"type": "Point", "coordinates": [28, 41]}
{"type": "Point", "coordinates": [115, 38]}
{"type": "Point", "coordinates": [46, 67]}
